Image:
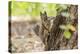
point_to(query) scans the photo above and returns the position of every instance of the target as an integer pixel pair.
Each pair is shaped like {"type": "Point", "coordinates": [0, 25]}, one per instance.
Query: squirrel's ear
{"type": "Point", "coordinates": [45, 13]}
{"type": "Point", "coordinates": [40, 13]}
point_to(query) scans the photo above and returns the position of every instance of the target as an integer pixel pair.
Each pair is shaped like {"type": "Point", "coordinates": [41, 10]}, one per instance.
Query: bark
{"type": "Point", "coordinates": [56, 34]}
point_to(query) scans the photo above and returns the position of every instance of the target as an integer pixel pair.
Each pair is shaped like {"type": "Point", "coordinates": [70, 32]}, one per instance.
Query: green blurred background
{"type": "Point", "coordinates": [34, 8]}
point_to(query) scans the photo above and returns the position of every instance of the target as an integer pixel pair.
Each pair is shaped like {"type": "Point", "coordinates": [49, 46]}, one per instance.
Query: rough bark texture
{"type": "Point", "coordinates": [56, 34]}
{"type": "Point", "coordinates": [73, 10]}
{"type": "Point", "coordinates": [73, 42]}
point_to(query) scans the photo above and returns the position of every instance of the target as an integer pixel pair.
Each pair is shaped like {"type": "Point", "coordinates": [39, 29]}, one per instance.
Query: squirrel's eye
{"type": "Point", "coordinates": [45, 18]}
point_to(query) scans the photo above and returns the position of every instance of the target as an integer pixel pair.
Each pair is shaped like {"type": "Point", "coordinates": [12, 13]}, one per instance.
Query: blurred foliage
{"type": "Point", "coordinates": [67, 34]}
{"type": "Point", "coordinates": [66, 28]}
{"type": "Point", "coordinates": [23, 8]}
{"type": "Point", "coordinates": [34, 8]}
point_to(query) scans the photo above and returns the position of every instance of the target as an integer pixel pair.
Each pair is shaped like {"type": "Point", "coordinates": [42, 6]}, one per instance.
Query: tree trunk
{"type": "Point", "coordinates": [56, 34]}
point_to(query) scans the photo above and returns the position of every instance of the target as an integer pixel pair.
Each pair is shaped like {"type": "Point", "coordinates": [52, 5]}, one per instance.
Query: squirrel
{"type": "Point", "coordinates": [45, 27]}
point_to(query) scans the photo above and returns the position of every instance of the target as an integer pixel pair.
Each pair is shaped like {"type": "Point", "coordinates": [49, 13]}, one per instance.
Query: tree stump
{"type": "Point", "coordinates": [56, 34]}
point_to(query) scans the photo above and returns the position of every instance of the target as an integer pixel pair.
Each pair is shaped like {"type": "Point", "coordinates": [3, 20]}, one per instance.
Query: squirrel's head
{"type": "Point", "coordinates": [43, 16]}
{"type": "Point", "coordinates": [45, 20]}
